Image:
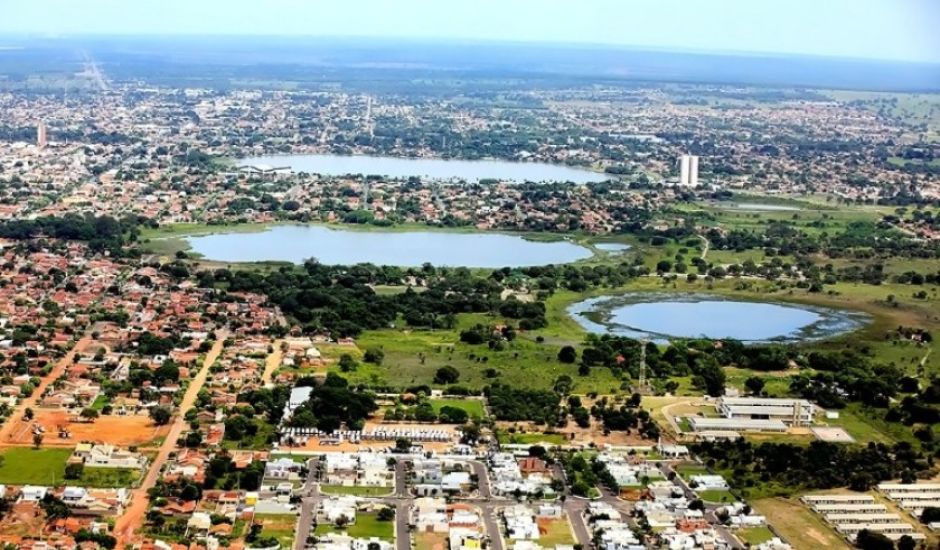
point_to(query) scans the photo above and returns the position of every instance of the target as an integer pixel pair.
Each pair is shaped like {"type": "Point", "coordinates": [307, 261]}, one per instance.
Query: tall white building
{"type": "Point", "coordinates": [688, 170]}
{"type": "Point", "coordinates": [41, 138]}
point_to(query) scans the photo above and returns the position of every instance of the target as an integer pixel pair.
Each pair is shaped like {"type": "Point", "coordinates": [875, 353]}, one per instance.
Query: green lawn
{"type": "Point", "coordinates": [473, 407]}
{"type": "Point", "coordinates": [531, 438]}
{"type": "Point", "coordinates": [367, 526]}
{"type": "Point", "coordinates": [716, 495]}
{"type": "Point", "coordinates": [108, 477]}
{"type": "Point", "coordinates": [356, 491]}
{"type": "Point", "coordinates": [687, 470]}
{"type": "Point", "coordinates": [27, 466]}
{"type": "Point", "coordinates": [755, 535]}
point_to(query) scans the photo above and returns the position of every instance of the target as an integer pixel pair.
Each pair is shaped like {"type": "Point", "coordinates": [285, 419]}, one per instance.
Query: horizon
{"type": "Point", "coordinates": [403, 40]}
{"type": "Point", "coordinates": [878, 30]}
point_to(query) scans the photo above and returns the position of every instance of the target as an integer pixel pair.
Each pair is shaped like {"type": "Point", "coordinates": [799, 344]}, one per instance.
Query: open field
{"type": "Point", "coordinates": [109, 477]}
{"type": "Point", "coordinates": [356, 491]}
{"type": "Point", "coordinates": [531, 438]}
{"type": "Point", "coordinates": [27, 466]}
{"type": "Point", "coordinates": [117, 430]}
{"type": "Point", "coordinates": [554, 532]}
{"type": "Point", "coordinates": [367, 526]}
{"type": "Point", "coordinates": [754, 535]}
{"type": "Point", "coordinates": [798, 525]}
{"type": "Point", "coordinates": [473, 407]}
{"type": "Point", "coordinates": [279, 526]}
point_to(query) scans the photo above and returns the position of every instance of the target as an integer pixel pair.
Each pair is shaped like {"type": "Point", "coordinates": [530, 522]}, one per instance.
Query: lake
{"type": "Point", "coordinates": [662, 316]}
{"type": "Point", "coordinates": [762, 207]}
{"type": "Point", "coordinates": [441, 169]}
{"type": "Point", "coordinates": [612, 247]}
{"type": "Point", "coordinates": [296, 243]}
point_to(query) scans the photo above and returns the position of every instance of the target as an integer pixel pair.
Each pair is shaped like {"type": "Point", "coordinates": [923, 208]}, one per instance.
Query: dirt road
{"type": "Point", "coordinates": [15, 423]}
{"type": "Point", "coordinates": [133, 518]}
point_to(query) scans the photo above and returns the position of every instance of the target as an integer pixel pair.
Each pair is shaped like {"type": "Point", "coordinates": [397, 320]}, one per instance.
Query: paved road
{"type": "Point", "coordinates": [133, 517]}
{"type": "Point", "coordinates": [309, 502]}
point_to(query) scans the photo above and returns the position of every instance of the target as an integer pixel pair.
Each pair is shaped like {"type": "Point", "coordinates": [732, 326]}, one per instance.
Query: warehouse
{"type": "Point", "coordinates": [700, 424]}
{"type": "Point", "coordinates": [798, 412]}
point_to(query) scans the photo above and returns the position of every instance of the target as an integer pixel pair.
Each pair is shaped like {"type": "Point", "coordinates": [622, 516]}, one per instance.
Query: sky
{"type": "Point", "coordinates": [907, 30]}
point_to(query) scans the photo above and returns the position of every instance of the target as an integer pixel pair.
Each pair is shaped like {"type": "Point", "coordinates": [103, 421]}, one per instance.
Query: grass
{"type": "Point", "coordinates": [797, 524]}
{"type": "Point", "coordinates": [367, 526]}
{"type": "Point", "coordinates": [279, 526]}
{"type": "Point", "coordinates": [716, 495]}
{"type": "Point", "coordinates": [108, 477]}
{"type": "Point", "coordinates": [358, 491]}
{"type": "Point", "coordinates": [755, 535]}
{"type": "Point", "coordinates": [532, 438]}
{"type": "Point", "coordinates": [26, 466]}
{"type": "Point", "coordinates": [557, 532]}
{"type": "Point", "coordinates": [473, 407]}
{"type": "Point", "coordinates": [412, 357]}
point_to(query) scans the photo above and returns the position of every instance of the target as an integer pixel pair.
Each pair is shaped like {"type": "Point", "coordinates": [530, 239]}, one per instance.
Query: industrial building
{"type": "Point", "coordinates": [795, 412]}
{"type": "Point", "coordinates": [700, 424]}
{"type": "Point", "coordinates": [912, 497]}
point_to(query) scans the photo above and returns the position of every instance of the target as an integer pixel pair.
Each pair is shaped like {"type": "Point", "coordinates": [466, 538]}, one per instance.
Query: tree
{"type": "Point", "coordinates": [160, 415]}
{"type": "Point", "coordinates": [754, 384]}
{"type": "Point", "coordinates": [89, 414]}
{"type": "Point", "coordinates": [386, 514]}
{"type": "Point", "coordinates": [74, 470]}
{"type": "Point", "coordinates": [28, 413]}
{"type": "Point", "coordinates": [37, 440]}
{"type": "Point", "coordinates": [347, 363]}
{"type": "Point", "coordinates": [567, 354]}
{"type": "Point", "coordinates": [402, 445]}
{"type": "Point", "coordinates": [868, 540]}
{"type": "Point", "coordinates": [374, 355]}
{"type": "Point", "coordinates": [907, 542]}
{"type": "Point", "coordinates": [931, 514]}
{"type": "Point", "coordinates": [446, 375]}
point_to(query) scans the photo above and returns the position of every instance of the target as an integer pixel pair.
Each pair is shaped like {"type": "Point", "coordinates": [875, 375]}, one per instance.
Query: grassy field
{"type": "Point", "coordinates": [556, 532]}
{"type": "Point", "coordinates": [279, 526]}
{"type": "Point", "coordinates": [798, 525]}
{"type": "Point", "coordinates": [716, 495]}
{"type": "Point", "coordinates": [367, 526]}
{"type": "Point", "coordinates": [473, 407]}
{"type": "Point", "coordinates": [109, 477]}
{"type": "Point", "coordinates": [26, 466]}
{"type": "Point", "coordinates": [754, 535]}
{"type": "Point", "coordinates": [356, 491]}
{"type": "Point", "coordinates": [506, 438]}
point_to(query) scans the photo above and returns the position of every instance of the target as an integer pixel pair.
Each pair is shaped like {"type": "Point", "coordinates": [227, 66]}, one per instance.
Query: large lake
{"type": "Point", "coordinates": [443, 169]}
{"type": "Point", "coordinates": [296, 243]}
{"type": "Point", "coordinates": [663, 316]}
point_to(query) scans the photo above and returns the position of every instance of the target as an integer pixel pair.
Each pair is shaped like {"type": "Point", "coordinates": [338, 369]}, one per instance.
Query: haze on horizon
{"type": "Point", "coordinates": [898, 30]}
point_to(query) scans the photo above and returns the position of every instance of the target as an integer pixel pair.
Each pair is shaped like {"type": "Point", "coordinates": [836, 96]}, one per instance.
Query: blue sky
{"type": "Point", "coordinates": [875, 29]}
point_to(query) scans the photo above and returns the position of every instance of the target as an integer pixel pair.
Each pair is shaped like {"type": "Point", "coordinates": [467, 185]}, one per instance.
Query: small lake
{"type": "Point", "coordinates": [662, 316]}
{"type": "Point", "coordinates": [440, 169]}
{"type": "Point", "coordinates": [612, 247]}
{"type": "Point", "coordinates": [296, 243]}
{"type": "Point", "coordinates": [761, 207]}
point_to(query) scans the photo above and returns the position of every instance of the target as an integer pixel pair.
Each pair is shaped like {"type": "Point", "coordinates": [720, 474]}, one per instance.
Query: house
{"type": "Point", "coordinates": [283, 468]}
{"type": "Point", "coordinates": [107, 456]}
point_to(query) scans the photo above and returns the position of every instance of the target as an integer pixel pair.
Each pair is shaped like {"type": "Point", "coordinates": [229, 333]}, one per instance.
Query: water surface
{"type": "Point", "coordinates": [442, 169]}
{"type": "Point", "coordinates": [296, 243]}
{"type": "Point", "coordinates": [663, 316]}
